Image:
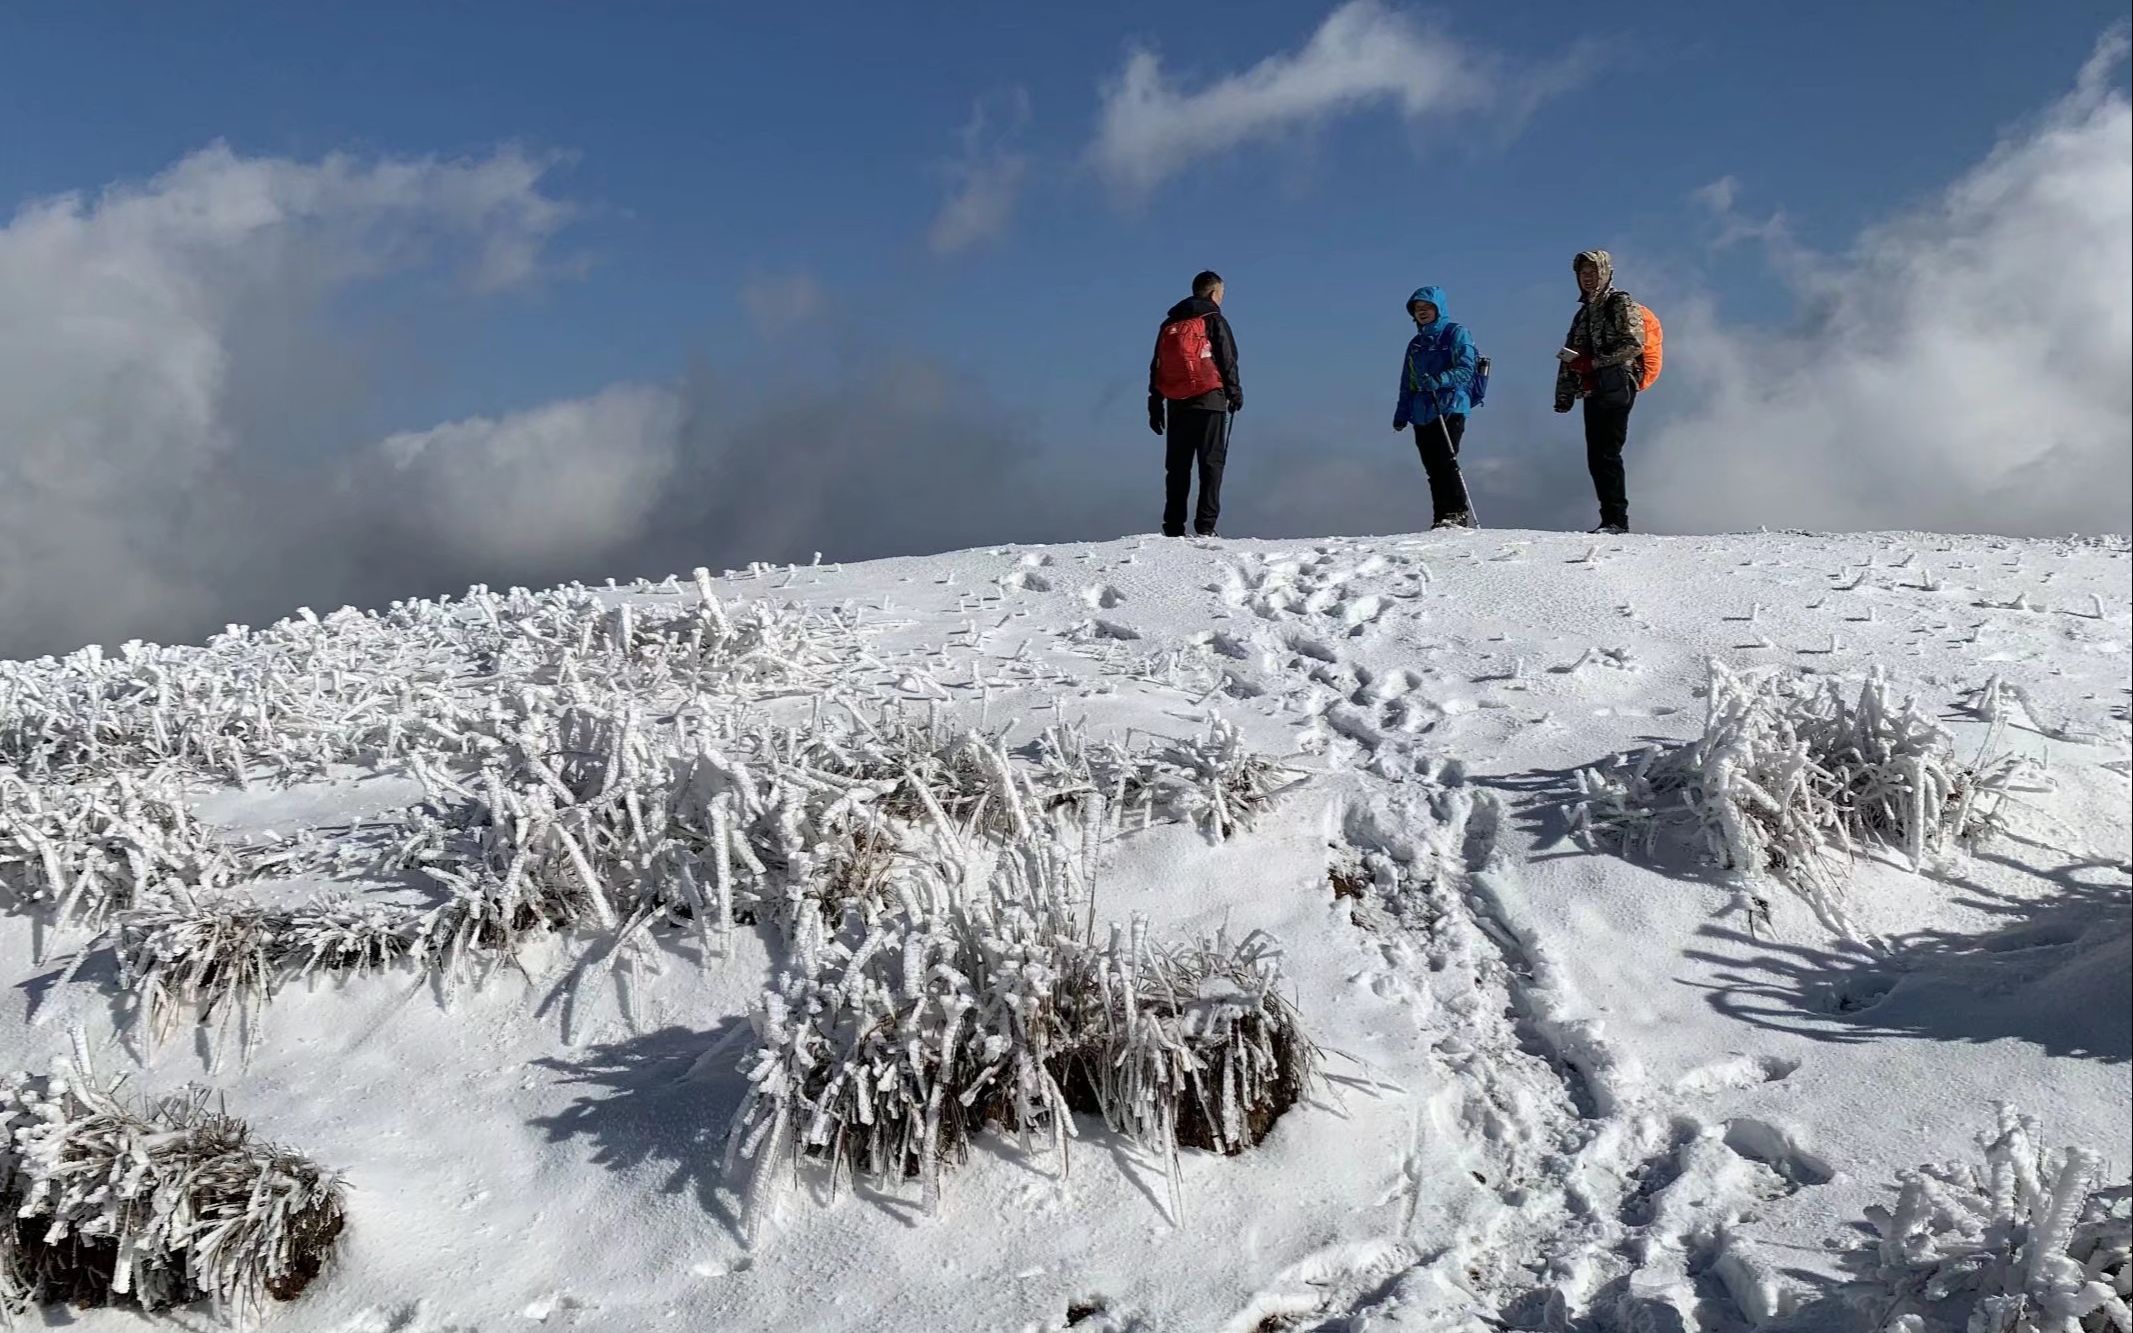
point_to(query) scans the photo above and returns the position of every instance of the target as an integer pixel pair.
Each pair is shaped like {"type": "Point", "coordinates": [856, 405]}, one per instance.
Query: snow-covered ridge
{"type": "Point", "coordinates": [476, 900]}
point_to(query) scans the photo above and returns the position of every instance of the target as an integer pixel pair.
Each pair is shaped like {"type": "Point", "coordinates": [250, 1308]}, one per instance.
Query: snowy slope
{"type": "Point", "coordinates": [1563, 1083]}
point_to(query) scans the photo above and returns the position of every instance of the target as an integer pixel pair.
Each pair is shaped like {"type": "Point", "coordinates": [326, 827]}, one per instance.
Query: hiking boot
{"type": "Point", "coordinates": [1462, 519]}
{"type": "Point", "coordinates": [1611, 529]}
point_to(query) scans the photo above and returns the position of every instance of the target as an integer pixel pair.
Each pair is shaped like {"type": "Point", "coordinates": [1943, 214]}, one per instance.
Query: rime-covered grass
{"type": "Point", "coordinates": [422, 678]}
{"type": "Point", "coordinates": [601, 775]}
{"type": "Point", "coordinates": [882, 1058]}
{"type": "Point", "coordinates": [153, 1204]}
{"type": "Point", "coordinates": [1792, 777]}
{"type": "Point", "coordinates": [586, 811]}
{"type": "Point", "coordinates": [1190, 1046]}
{"type": "Point", "coordinates": [2027, 1240]}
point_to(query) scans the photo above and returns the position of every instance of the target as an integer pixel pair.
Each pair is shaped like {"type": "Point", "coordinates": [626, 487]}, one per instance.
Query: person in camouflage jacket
{"type": "Point", "coordinates": [1603, 362]}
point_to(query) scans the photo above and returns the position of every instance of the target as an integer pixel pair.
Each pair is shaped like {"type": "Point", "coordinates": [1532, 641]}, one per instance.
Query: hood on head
{"type": "Point", "coordinates": [1433, 295]}
{"type": "Point", "coordinates": [1601, 260]}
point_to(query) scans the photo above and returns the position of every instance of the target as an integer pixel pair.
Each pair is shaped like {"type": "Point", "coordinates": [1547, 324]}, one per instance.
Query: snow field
{"type": "Point", "coordinates": [1563, 1087]}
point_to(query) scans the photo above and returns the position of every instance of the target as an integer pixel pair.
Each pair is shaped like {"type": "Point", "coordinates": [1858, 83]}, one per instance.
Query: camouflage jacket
{"type": "Point", "coordinates": [1606, 328]}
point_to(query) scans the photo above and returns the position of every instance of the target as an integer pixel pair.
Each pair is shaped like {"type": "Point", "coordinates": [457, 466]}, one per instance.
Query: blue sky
{"type": "Point", "coordinates": [716, 142]}
{"type": "Point", "coordinates": [755, 195]}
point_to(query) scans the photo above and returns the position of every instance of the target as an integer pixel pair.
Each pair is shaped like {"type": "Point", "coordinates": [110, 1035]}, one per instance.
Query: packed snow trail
{"type": "Point", "coordinates": [1571, 1089]}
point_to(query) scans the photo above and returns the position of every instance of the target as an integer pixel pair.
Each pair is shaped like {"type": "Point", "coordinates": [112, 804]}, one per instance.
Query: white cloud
{"type": "Point", "coordinates": [1364, 53]}
{"type": "Point", "coordinates": [987, 178]}
{"type": "Point", "coordinates": [180, 418]}
{"type": "Point", "coordinates": [147, 331]}
{"type": "Point", "coordinates": [1720, 198]}
{"type": "Point", "coordinates": [781, 302]}
{"type": "Point", "coordinates": [1965, 367]}
{"type": "Point", "coordinates": [547, 487]}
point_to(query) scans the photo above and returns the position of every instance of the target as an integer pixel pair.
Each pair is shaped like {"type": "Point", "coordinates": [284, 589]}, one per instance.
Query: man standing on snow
{"type": "Point", "coordinates": [1193, 390]}
{"type": "Point", "coordinates": [1601, 361]}
{"type": "Point", "coordinates": [1433, 398]}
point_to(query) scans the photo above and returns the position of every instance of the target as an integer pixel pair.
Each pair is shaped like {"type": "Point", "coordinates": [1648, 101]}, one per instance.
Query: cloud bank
{"type": "Point", "coordinates": [180, 417]}
{"type": "Point", "coordinates": [155, 338]}
{"type": "Point", "coordinates": [1967, 367]}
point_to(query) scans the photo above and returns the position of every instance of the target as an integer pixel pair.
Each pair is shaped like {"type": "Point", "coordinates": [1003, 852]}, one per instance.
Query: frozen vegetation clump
{"type": "Point", "coordinates": [590, 817]}
{"type": "Point", "coordinates": [883, 1051]}
{"type": "Point", "coordinates": [2027, 1240]}
{"type": "Point", "coordinates": [1212, 780]}
{"type": "Point", "coordinates": [881, 1055]}
{"type": "Point", "coordinates": [78, 855]}
{"type": "Point", "coordinates": [1191, 1047]}
{"type": "Point", "coordinates": [420, 678]}
{"type": "Point", "coordinates": [1792, 778]}
{"type": "Point", "coordinates": [152, 1204]}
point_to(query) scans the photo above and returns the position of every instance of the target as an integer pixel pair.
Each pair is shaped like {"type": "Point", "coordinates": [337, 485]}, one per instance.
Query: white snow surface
{"type": "Point", "coordinates": [1574, 1089]}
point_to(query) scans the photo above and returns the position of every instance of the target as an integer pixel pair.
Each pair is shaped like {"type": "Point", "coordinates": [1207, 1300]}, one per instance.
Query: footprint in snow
{"type": "Point", "coordinates": [1230, 646]}
{"type": "Point", "coordinates": [1385, 688]}
{"type": "Point", "coordinates": [1110, 629]}
{"type": "Point", "coordinates": [1362, 611]}
{"type": "Point", "coordinates": [1313, 649]}
{"type": "Point", "coordinates": [1775, 1147]}
{"type": "Point", "coordinates": [1740, 1071]}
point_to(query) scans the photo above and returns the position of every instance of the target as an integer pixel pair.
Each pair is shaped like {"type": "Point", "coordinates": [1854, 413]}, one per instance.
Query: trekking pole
{"type": "Point", "coordinates": [1452, 449]}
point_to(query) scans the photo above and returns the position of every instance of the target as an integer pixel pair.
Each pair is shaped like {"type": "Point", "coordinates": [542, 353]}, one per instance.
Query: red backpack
{"type": "Point", "coordinates": [1185, 360]}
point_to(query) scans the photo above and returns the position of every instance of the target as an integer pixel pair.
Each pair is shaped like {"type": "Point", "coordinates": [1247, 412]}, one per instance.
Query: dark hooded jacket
{"type": "Point", "coordinates": [1228, 398]}
{"type": "Point", "coordinates": [1606, 330]}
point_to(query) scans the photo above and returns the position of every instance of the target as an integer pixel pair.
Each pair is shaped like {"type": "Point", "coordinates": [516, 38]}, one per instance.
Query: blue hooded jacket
{"type": "Point", "coordinates": [1438, 368]}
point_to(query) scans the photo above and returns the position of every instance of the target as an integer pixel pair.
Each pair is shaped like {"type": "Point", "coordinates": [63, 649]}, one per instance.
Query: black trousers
{"type": "Point", "coordinates": [1607, 411]}
{"type": "Point", "coordinates": [1438, 442]}
{"type": "Point", "coordinates": [1194, 437]}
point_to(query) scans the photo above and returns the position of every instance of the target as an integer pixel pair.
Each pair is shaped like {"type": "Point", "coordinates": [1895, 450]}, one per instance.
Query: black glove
{"type": "Point", "coordinates": [1155, 420]}
{"type": "Point", "coordinates": [1562, 404]}
{"type": "Point", "coordinates": [1236, 401]}
{"type": "Point", "coordinates": [1398, 424]}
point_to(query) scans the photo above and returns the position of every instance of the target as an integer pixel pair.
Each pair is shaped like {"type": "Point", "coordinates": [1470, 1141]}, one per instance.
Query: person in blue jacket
{"type": "Point", "coordinates": [1433, 399]}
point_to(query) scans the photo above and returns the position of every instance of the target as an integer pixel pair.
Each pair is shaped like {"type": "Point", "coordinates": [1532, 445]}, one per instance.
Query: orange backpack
{"type": "Point", "coordinates": [1654, 347]}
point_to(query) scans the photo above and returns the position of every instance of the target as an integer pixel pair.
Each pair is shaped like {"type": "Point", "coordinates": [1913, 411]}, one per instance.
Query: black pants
{"type": "Point", "coordinates": [1607, 411]}
{"type": "Point", "coordinates": [1194, 436]}
{"type": "Point", "coordinates": [1438, 442]}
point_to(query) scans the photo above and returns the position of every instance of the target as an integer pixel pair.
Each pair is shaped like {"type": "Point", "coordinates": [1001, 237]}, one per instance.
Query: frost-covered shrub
{"type": "Point", "coordinates": [2028, 1241]}
{"type": "Point", "coordinates": [82, 853]}
{"type": "Point", "coordinates": [221, 960]}
{"type": "Point", "coordinates": [924, 765]}
{"type": "Point", "coordinates": [1186, 1047]}
{"type": "Point", "coordinates": [882, 1056]}
{"type": "Point", "coordinates": [1218, 783]}
{"type": "Point", "coordinates": [1790, 777]}
{"type": "Point", "coordinates": [436, 678]}
{"type": "Point", "coordinates": [1079, 772]}
{"type": "Point", "coordinates": [155, 1204]}
{"type": "Point", "coordinates": [1212, 780]}
{"type": "Point", "coordinates": [587, 820]}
